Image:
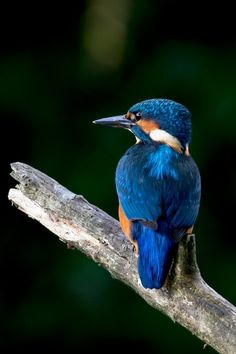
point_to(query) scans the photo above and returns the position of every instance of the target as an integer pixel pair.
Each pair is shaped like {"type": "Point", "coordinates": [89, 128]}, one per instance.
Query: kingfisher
{"type": "Point", "coordinates": [158, 184]}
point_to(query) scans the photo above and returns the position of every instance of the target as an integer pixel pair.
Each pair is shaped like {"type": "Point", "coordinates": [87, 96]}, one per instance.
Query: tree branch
{"type": "Point", "coordinates": [185, 298]}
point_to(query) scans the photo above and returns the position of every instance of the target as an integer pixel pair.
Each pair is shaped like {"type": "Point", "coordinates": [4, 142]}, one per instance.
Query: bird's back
{"type": "Point", "coordinates": [159, 194]}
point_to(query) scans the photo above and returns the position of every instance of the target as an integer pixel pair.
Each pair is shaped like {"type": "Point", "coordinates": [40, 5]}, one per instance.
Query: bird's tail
{"type": "Point", "coordinates": [156, 250]}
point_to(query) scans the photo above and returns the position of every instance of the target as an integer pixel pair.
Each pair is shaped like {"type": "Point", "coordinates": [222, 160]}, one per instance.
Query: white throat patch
{"type": "Point", "coordinates": [163, 137]}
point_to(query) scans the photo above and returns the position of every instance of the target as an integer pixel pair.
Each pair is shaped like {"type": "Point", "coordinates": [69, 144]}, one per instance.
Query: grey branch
{"type": "Point", "coordinates": [185, 298]}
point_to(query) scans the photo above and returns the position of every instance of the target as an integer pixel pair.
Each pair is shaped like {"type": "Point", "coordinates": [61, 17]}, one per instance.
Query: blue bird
{"type": "Point", "coordinates": [158, 184]}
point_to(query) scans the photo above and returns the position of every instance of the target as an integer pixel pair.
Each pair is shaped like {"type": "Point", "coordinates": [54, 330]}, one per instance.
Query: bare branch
{"type": "Point", "coordinates": [185, 298]}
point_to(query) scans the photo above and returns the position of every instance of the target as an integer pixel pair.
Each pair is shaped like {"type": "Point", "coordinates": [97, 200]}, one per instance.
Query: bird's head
{"type": "Point", "coordinates": [156, 120]}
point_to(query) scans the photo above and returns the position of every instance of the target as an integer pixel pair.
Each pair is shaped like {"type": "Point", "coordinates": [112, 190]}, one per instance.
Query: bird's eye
{"type": "Point", "coordinates": [138, 115]}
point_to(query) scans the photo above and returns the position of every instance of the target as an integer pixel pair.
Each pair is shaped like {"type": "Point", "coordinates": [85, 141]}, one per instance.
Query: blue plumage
{"type": "Point", "coordinates": [158, 184]}
{"type": "Point", "coordinates": [156, 249]}
{"type": "Point", "coordinates": [155, 183]}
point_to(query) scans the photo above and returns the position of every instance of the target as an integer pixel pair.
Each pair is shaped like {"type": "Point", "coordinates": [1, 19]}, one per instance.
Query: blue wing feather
{"type": "Point", "coordinates": [136, 189]}
{"type": "Point", "coordinates": [156, 183]}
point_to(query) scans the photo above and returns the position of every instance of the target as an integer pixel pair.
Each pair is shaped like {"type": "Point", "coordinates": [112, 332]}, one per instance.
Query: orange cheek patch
{"type": "Point", "coordinates": [148, 125]}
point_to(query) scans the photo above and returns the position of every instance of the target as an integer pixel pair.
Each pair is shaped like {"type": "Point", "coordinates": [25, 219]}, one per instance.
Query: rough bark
{"type": "Point", "coordinates": [185, 298]}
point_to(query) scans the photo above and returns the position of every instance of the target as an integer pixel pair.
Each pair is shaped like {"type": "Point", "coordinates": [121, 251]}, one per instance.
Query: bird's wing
{"type": "Point", "coordinates": [149, 197]}
{"type": "Point", "coordinates": [139, 194]}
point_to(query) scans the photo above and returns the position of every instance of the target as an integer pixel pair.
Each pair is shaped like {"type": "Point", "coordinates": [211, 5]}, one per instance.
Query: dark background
{"type": "Point", "coordinates": [61, 67]}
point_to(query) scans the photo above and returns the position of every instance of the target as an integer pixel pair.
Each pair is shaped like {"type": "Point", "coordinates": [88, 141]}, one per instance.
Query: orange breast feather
{"type": "Point", "coordinates": [125, 223]}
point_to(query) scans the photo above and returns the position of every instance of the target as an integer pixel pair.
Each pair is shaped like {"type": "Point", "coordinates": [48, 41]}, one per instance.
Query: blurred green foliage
{"type": "Point", "coordinates": [62, 68]}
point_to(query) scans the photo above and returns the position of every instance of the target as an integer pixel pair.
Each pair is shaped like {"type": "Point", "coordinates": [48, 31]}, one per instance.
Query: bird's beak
{"type": "Point", "coordinates": [116, 122]}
